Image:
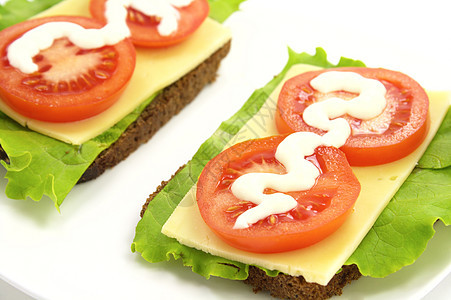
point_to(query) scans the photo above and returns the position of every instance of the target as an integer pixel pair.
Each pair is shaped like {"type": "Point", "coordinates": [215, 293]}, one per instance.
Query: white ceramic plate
{"type": "Point", "coordinates": [84, 251]}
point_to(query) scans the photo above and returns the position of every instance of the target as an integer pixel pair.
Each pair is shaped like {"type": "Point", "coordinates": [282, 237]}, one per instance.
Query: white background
{"type": "Point", "coordinates": [84, 251]}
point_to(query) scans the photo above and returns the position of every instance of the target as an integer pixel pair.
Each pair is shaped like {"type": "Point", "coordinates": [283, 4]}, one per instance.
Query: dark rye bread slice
{"type": "Point", "coordinates": [167, 104]}
{"type": "Point", "coordinates": [285, 286]}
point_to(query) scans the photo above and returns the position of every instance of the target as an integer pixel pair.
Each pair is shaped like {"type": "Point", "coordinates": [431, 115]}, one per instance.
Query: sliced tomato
{"type": "Point", "coordinates": [144, 30]}
{"type": "Point", "coordinates": [320, 210]}
{"type": "Point", "coordinates": [72, 83]}
{"type": "Point", "coordinates": [395, 133]}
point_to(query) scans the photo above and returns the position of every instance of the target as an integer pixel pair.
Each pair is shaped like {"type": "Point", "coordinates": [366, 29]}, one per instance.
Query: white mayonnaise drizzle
{"type": "Point", "coordinates": [21, 51]}
{"type": "Point", "coordinates": [291, 152]}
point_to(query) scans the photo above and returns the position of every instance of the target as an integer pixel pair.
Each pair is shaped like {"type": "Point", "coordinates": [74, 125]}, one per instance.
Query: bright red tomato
{"type": "Point", "coordinates": [72, 83]}
{"type": "Point", "coordinates": [144, 28]}
{"type": "Point", "coordinates": [320, 211]}
{"type": "Point", "coordinates": [398, 131]}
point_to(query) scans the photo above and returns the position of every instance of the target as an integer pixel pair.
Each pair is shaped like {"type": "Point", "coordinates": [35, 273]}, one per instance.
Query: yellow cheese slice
{"type": "Point", "coordinates": [155, 69]}
{"type": "Point", "coordinates": [320, 262]}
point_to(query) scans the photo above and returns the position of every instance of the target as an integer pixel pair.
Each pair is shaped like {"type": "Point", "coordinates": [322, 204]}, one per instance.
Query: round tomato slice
{"type": "Point", "coordinates": [144, 30]}
{"type": "Point", "coordinates": [320, 210]}
{"type": "Point", "coordinates": [395, 133]}
{"type": "Point", "coordinates": [71, 84]}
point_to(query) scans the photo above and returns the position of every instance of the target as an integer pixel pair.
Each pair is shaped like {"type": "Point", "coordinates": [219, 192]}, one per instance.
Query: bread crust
{"type": "Point", "coordinates": [295, 287]}
{"type": "Point", "coordinates": [286, 286]}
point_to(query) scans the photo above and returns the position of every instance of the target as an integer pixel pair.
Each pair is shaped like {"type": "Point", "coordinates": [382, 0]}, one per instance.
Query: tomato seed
{"type": "Point", "coordinates": [108, 64]}
{"type": "Point", "coordinates": [237, 214]}
{"type": "Point", "coordinates": [233, 208]}
{"type": "Point", "coordinates": [42, 88]}
{"type": "Point", "coordinates": [131, 16]}
{"type": "Point", "coordinates": [101, 74]}
{"type": "Point", "coordinates": [140, 18]}
{"type": "Point", "coordinates": [400, 124]}
{"type": "Point", "coordinates": [108, 54]}
{"type": "Point", "coordinates": [272, 219]}
{"type": "Point", "coordinates": [31, 81]}
{"type": "Point", "coordinates": [306, 90]}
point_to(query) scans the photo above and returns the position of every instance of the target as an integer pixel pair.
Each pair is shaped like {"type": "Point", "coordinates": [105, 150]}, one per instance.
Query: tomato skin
{"type": "Point", "coordinates": [191, 17]}
{"type": "Point", "coordinates": [405, 133]}
{"type": "Point", "coordinates": [62, 106]}
{"type": "Point", "coordinates": [286, 234]}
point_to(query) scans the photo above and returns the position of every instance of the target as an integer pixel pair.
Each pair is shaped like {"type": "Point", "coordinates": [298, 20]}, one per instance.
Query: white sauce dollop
{"type": "Point", "coordinates": [21, 51]}
{"type": "Point", "coordinates": [301, 174]}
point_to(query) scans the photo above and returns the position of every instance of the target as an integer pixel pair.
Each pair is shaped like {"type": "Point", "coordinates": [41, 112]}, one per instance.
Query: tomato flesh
{"type": "Point", "coordinates": [320, 210]}
{"type": "Point", "coordinates": [395, 133]}
{"type": "Point", "coordinates": [144, 30]}
{"type": "Point", "coordinates": [71, 84]}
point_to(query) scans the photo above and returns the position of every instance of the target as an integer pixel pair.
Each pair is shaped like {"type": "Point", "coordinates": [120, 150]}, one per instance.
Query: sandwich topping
{"type": "Point", "coordinates": [69, 83]}
{"type": "Point", "coordinates": [300, 173]}
{"type": "Point", "coordinates": [157, 23]}
{"type": "Point", "coordinates": [267, 192]}
{"type": "Point", "coordinates": [22, 50]}
{"type": "Point", "coordinates": [317, 212]}
{"type": "Point", "coordinates": [66, 69]}
{"type": "Point", "coordinates": [392, 135]}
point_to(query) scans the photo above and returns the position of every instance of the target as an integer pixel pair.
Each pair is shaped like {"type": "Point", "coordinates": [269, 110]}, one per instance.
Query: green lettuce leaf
{"type": "Point", "coordinates": [15, 11]}
{"type": "Point", "coordinates": [156, 247]}
{"type": "Point", "coordinates": [437, 155]}
{"type": "Point", "coordinates": [220, 10]}
{"type": "Point", "coordinates": [402, 231]}
{"type": "Point", "coordinates": [40, 166]}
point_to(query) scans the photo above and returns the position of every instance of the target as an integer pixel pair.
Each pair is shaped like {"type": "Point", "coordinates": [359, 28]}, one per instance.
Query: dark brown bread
{"type": "Point", "coordinates": [295, 287]}
{"type": "Point", "coordinates": [285, 286]}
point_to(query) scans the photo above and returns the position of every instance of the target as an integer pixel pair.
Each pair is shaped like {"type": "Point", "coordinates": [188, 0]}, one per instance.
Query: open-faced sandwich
{"type": "Point", "coordinates": [326, 173]}
{"type": "Point", "coordinates": [84, 83]}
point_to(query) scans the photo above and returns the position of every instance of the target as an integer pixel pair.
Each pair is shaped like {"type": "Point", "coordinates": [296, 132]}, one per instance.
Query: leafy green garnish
{"type": "Point", "coordinates": [156, 247]}
{"type": "Point", "coordinates": [15, 11]}
{"type": "Point", "coordinates": [220, 10]}
{"type": "Point", "coordinates": [402, 231]}
{"type": "Point", "coordinates": [437, 155]}
{"type": "Point", "coordinates": [39, 165]}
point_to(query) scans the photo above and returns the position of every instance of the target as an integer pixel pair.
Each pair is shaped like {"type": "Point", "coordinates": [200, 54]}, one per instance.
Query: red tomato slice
{"type": "Point", "coordinates": [144, 28]}
{"type": "Point", "coordinates": [320, 211]}
{"type": "Point", "coordinates": [395, 133]}
{"type": "Point", "coordinates": [72, 83]}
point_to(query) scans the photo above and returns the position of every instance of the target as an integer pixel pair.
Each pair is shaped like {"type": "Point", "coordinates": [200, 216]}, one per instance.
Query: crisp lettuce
{"type": "Point", "coordinates": [437, 155]}
{"type": "Point", "coordinates": [220, 10]}
{"type": "Point", "coordinates": [399, 236]}
{"type": "Point", "coordinates": [15, 11]}
{"type": "Point", "coordinates": [402, 231]}
{"type": "Point", "coordinates": [40, 166]}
